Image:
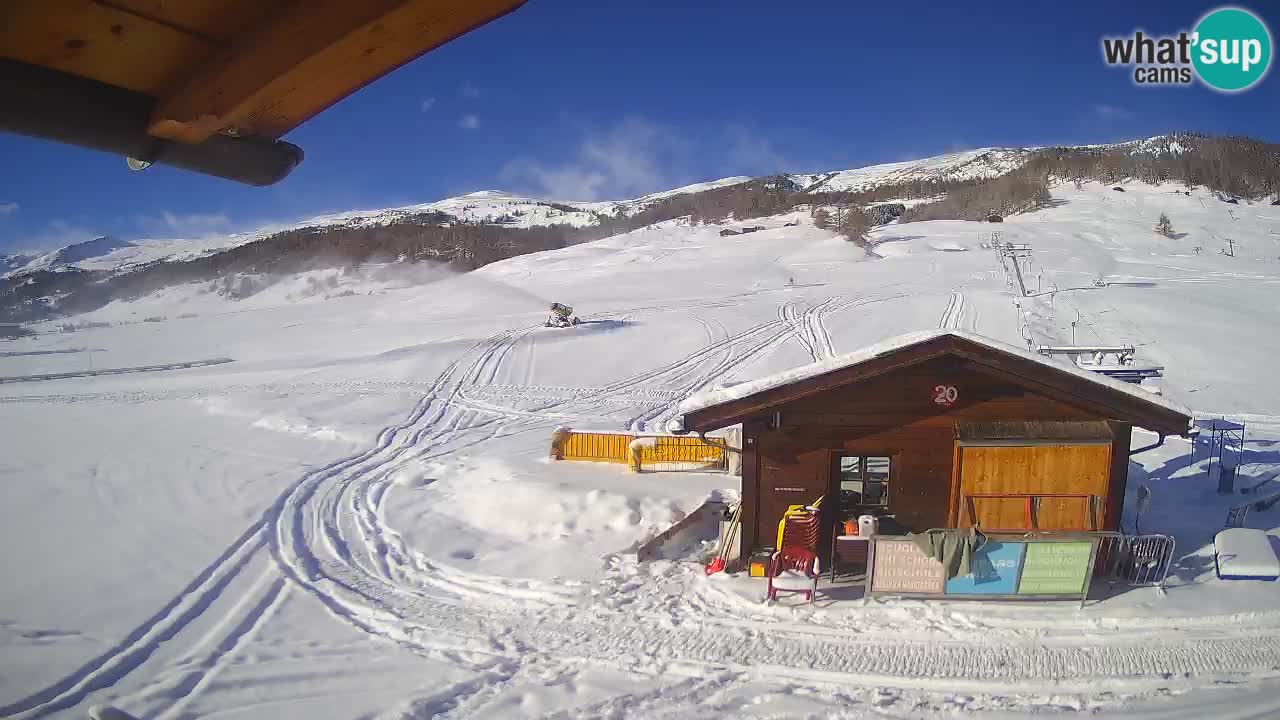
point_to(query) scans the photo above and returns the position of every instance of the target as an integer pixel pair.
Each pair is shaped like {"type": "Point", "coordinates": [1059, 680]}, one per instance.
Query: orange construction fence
{"type": "Point", "coordinates": [661, 452]}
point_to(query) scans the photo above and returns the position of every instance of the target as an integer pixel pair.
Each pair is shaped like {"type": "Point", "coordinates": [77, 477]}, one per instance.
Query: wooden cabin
{"type": "Point", "coordinates": [935, 430]}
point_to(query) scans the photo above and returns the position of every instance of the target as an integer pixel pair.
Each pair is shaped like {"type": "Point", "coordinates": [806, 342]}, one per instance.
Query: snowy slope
{"type": "Point", "coordinates": [355, 518]}
{"type": "Point", "coordinates": [479, 207]}
{"type": "Point", "coordinates": [969, 165]}
{"type": "Point", "coordinates": [611, 207]}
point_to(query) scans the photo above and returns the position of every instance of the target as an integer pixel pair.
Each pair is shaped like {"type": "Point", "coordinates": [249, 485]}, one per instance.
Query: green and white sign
{"type": "Point", "coordinates": [1055, 568]}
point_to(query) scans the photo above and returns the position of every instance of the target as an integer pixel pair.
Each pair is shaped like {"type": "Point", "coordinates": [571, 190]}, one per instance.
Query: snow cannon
{"type": "Point", "coordinates": [561, 316]}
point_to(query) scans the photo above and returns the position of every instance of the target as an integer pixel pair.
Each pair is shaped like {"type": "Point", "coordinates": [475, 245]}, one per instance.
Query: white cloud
{"type": "Point", "coordinates": [632, 158]}
{"type": "Point", "coordinates": [1102, 111]}
{"type": "Point", "coordinates": [752, 154]}
{"type": "Point", "coordinates": [469, 122]}
{"type": "Point", "coordinates": [55, 234]}
{"type": "Point", "coordinates": [426, 104]}
{"type": "Point", "coordinates": [189, 226]}
{"type": "Point", "coordinates": [568, 182]}
{"type": "Point", "coordinates": [8, 208]}
{"type": "Point", "coordinates": [468, 90]}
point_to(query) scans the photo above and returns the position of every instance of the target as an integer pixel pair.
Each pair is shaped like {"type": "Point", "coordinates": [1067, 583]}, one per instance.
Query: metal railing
{"type": "Point", "coordinates": [1129, 560]}
{"type": "Point", "coordinates": [1136, 560]}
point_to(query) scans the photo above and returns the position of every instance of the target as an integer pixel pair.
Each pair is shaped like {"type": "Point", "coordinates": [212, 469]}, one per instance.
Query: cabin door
{"type": "Point", "coordinates": [795, 481]}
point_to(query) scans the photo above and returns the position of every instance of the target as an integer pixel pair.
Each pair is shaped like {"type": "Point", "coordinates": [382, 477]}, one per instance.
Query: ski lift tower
{"type": "Point", "coordinates": [1016, 252]}
{"type": "Point", "coordinates": [1222, 442]}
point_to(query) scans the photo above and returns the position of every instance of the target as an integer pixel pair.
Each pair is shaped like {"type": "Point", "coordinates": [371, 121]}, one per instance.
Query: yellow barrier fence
{"type": "Point", "coordinates": [659, 452]}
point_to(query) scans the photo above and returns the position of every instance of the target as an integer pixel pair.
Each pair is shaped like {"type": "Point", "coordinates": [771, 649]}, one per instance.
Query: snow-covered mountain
{"type": "Point", "coordinates": [472, 230]}
{"type": "Point", "coordinates": [510, 210]}
{"type": "Point", "coordinates": [496, 207]}
{"type": "Point", "coordinates": [79, 254]}
{"type": "Point", "coordinates": [968, 165]}
{"type": "Point", "coordinates": [516, 211]}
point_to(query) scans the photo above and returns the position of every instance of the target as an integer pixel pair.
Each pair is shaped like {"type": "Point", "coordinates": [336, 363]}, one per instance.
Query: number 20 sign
{"type": "Point", "coordinates": [945, 395]}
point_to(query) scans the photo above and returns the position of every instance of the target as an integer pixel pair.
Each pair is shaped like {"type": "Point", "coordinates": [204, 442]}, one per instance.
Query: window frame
{"type": "Point", "coordinates": [864, 476]}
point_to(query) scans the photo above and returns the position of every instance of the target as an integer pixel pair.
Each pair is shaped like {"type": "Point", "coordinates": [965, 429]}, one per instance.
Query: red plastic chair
{"type": "Point", "coordinates": [800, 531]}
{"type": "Point", "coordinates": [793, 569]}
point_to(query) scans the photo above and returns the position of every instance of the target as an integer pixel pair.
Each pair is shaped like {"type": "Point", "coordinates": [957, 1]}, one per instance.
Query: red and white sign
{"type": "Point", "coordinates": [945, 395]}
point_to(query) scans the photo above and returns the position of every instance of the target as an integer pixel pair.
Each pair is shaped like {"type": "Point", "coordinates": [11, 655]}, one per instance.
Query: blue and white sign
{"type": "Point", "coordinates": [993, 571]}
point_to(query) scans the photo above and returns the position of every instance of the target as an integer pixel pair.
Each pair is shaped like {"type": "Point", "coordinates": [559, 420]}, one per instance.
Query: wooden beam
{"type": "Point", "coordinates": [750, 492]}
{"type": "Point", "coordinates": [45, 103]}
{"type": "Point", "coordinates": [99, 42]}
{"type": "Point", "coordinates": [306, 57]}
{"type": "Point", "coordinates": [1119, 480]}
{"type": "Point", "coordinates": [217, 21]}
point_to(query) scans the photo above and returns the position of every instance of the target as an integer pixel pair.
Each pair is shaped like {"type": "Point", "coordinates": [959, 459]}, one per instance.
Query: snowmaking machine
{"type": "Point", "coordinates": [561, 316]}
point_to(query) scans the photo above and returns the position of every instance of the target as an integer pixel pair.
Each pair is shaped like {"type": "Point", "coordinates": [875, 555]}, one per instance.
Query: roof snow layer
{"type": "Point", "coordinates": [717, 396]}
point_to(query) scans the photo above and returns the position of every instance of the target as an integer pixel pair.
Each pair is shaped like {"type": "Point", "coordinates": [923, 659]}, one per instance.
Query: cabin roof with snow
{"type": "Point", "coordinates": [1094, 393]}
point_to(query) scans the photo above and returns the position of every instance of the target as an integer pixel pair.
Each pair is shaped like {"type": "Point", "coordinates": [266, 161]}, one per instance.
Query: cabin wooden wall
{"type": "Point", "coordinates": [895, 415]}
{"type": "Point", "coordinates": [1034, 469]}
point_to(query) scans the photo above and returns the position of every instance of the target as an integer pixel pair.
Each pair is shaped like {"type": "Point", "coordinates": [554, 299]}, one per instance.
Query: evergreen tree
{"type": "Point", "coordinates": [1164, 226]}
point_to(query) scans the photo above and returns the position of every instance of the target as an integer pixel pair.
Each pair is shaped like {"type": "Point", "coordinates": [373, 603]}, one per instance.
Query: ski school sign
{"type": "Point", "coordinates": [1229, 50]}
{"type": "Point", "coordinates": [1004, 568]}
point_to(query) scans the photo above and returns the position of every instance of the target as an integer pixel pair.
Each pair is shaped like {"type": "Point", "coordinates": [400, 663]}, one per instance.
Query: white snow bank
{"type": "Point", "coordinates": [717, 396]}
{"type": "Point", "coordinates": [535, 511]}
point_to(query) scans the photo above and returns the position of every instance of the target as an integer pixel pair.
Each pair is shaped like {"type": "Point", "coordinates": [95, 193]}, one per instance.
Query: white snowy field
{"type": "Point", "coordinates": [355, 518]}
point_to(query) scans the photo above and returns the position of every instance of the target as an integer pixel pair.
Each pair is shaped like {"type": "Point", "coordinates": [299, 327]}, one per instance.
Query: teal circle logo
{"type": "Point", "coordinates": [1231, 49]}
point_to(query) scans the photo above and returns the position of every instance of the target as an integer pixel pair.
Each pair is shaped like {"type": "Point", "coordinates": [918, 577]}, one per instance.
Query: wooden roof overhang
{"type": "Point", "coordinates": [208, 85]}
{"type": "Point", "coordinates": [1096, 396]}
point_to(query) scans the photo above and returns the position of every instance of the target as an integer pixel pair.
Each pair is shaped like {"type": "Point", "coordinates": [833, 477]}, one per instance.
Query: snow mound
{"type": "Point", "coordinates": [555, 512]}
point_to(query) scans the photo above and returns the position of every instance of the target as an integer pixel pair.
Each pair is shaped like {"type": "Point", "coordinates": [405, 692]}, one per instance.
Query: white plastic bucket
{"type": "Point", "coordinates": [868, 525]}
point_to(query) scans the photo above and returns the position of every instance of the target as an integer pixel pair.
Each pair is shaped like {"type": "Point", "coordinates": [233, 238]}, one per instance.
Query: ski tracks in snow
{"type": "Point", "coordinates": [953, 315]}
{"type": "Point", "coordinates": [328, 532]}
{"type": "Point", "coordinates": [108, 668]}
{"type": "Point", "coordinates": [809, 325]}
{"type": "Point", "coordinates": [430, 421]}
{"type": "Point", "coordinates": [328, 536]}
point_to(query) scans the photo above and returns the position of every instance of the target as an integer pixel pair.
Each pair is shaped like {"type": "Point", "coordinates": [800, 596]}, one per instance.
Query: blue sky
{"type": "Point", "coordinates": [584, 100]}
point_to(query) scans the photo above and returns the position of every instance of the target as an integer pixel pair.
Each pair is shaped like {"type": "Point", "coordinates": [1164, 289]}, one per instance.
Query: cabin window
{"type": "Point", "coordinates": [864, 481]}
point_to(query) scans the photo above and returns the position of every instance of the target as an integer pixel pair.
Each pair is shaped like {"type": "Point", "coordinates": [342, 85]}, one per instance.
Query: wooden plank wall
{"type": "Point", "coordinates": [1049, 469]}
